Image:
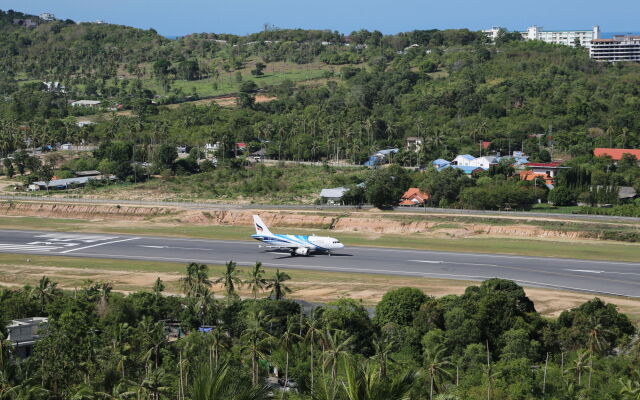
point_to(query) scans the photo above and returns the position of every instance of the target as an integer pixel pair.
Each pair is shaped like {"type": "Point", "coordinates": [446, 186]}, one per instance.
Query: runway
{"type": "Point", "coordinates": [604, 277]}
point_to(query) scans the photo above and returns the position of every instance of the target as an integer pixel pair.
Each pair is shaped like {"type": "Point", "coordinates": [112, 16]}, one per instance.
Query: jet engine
{"type": "Point", "coordinates": [301, 251]}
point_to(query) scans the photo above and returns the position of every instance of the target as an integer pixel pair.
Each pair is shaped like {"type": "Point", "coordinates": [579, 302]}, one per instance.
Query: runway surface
{"type": "Point", "coordinates": [605, 277]}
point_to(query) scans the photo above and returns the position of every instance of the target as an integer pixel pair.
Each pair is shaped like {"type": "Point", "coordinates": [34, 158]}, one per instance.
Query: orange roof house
{"type": "Point", "coordinates": [615, 154]}
{"type": "Point", "coordinates": [529, 175]}
{"type": "Point", "coordinates": [414, 197]}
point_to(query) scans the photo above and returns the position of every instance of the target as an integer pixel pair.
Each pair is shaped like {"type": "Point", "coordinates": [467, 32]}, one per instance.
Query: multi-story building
{"type": "Point", "coordinates": [618, 48]}
{"type": "Point", "coordinates": [567, 38]}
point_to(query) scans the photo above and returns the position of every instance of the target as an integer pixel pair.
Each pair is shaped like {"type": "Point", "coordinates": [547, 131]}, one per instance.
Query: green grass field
{"type": "Point", "coordinates": [590, 250]}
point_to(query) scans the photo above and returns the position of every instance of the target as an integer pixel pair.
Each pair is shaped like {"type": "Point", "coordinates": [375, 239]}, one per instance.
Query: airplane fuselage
{"type": "Point", "coordinates": [300, 244]}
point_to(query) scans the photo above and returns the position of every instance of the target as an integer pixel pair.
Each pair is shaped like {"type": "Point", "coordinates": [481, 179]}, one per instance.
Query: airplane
{"type": "Point", "coordinates": [298, 245]}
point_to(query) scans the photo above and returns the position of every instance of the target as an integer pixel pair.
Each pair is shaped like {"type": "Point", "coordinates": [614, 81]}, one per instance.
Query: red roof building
{"type": "Point", "coordinates": [530, 175]}
{"type": "Point", "coordinates": [414, 197]}
{"type": "Point", "coordinates": [551, 168]}
{"type": "Point", "coordinates": [615, 154]}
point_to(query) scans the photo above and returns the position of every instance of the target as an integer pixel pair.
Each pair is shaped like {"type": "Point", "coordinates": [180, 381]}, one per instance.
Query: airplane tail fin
{"type": "Point", "coordinates": [261, 227]}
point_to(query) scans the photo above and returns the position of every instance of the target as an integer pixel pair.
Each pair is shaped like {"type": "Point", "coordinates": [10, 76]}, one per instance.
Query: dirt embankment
{"type": "Point", "coordinates": [79, 211]}
{"type": "Point", "coordinates": [344, 222]}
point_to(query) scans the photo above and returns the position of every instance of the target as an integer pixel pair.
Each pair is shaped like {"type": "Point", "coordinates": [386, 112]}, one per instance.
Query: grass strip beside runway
{"type": "Point", "coordinates": [72, 273]}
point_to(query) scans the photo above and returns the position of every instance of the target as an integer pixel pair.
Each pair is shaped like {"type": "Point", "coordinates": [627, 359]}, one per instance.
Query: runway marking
{"type": "Point", "coordinates": [426, 261]}
{"type": "Point", "coordinates": [99, 244]}
{"type": "Point", "coordinates": [586, 270]}
{"type": "Point", "coordinates": [181, 248]}
{"type": "Point", "coordinates": [26, 247]}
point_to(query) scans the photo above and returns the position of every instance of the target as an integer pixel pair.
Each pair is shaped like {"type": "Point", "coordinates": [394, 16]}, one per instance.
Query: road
{"type": "Point", "coordinates": [604, 277]}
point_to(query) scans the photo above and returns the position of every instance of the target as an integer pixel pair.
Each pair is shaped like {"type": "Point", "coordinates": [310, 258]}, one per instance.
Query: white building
{"type": "Point", "coordinates": [492, 33]}
{"type": "Point", "coordinates": [567, 38]}
{"type": "Point", "coordinates": [23, 334]}
{"type": "Point", "coordinates": [86, 103]}
{"type": "Point", "coordinates": [484, 162]}
{"type": "Point", "coordinates": [464, 160]}
{"type": "Point", "coordinates": [618, 48]}
{"type": "Point", "coordinates": [47, 17]}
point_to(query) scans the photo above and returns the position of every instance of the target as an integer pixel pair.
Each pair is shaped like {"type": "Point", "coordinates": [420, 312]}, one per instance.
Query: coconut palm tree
{"type": "Point", "coordinates": [288, 338]}
{"type": "Point", "coordinates": [597, 343]}
{"type": "Point", "coordinates": [277, 286]}
{"type": "Point", "coordinates": [221, 383]}
{"type": "Point", "coordinates": [120, 345]}
{"type": "Point", "coordinates": [337, 345]}
{"type": "Point", "coordinates": [158, 288]}
{"type": "Point", "coordinates": [218, 342]}
{"type": "Point", "coordinates": [256, 340]}
{"type": "Point", "coordinates": [383, 346]}
{"type": "Point", "coordinates": [45, 292]}
{"type": "Point", "coordinates": [256, 282]}
{"type": "Point", "coordinates": [230, 280]}
{"type": "Point", "coordinates": [196, 280]}
{"type": "Point", "coordinates": [435, 364]}
{"type": "Point", "coordinates": [631, 388]}
{"type": "Point", "coordinates": [363, 382]}
{"type": "Point", "coordinates": [581, 364]}
{"type": "Point", "coordinates": [314, 331]}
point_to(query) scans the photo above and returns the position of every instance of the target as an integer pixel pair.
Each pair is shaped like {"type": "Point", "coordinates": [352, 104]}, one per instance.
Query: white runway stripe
{"type": "Point", "coordinates": [26, 247]}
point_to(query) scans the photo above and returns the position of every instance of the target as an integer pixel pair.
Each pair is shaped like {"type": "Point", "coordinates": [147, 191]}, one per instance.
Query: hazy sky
{"type": "Point", "coordinates": [179, 17]}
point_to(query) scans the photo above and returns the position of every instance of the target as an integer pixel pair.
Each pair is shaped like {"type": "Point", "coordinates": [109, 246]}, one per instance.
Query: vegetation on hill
{"type": "Point", "coordinates": [487, 343]}
{"type": "Point", "coordinates": [450, 88]}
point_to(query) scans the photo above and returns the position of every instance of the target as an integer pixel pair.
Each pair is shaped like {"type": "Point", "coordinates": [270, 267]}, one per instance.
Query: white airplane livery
{"type": "Point", "coordinates": [298, 245]}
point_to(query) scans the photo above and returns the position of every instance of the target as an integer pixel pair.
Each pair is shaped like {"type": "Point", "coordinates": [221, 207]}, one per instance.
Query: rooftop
{"type": "Point", "coordinates": [615, 154]}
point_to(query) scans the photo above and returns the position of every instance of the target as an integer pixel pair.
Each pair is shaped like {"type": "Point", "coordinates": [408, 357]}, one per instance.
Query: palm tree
{"type": "Point", "coordinates": [383, 346]}
{"type": "Point", "coordinates": [288, 338]}
{"type": "Point", "coordinates": [256, 282]}
{"type": "Point", "coordinates": [45, 292]}
{"type": "Point", "coordinates": [158, 288]}
{"type": "Point", "coordinates": [277, 286]}
{"type": "Point", "coordinates": [256, 342]}
{"type": "Point", "coordinates": [580, 365]}
{"type": "Point", "coordinates": [229, 280]}
{"type": "Point", "coordinates": [313, 331]}
{"type": "Point", "coordinates": [221, 383]}
{"type": "Point", "coordinates": [219, 341]}
{"type": "Point", "coordinates": [153, 385]}
{"type": "Point", "coordinates": [363, 382]}
{"type": "Point", "coordinates": [152, 339]}
{"type": "Point", "coordinates": [596, 342]}
{"type": "Point", "coordinates": [196, 280]}
{"type": "Point", "coordinates": [120, 346]}
{"type": "Point", "coordinates": [337, 347]}
{"type": "Point", "coordinates": [630, 388]}
{"type": "Point", "coordinates": [436, 363]}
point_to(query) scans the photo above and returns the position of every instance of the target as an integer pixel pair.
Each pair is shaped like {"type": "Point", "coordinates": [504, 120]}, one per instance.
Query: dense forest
{"type": "Point", "coordinates": [452, 88]}
{"type": "Point", "coordinates": [488, 343]}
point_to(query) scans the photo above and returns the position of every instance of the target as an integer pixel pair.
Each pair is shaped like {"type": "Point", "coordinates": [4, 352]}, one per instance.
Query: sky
{"type": "Point", "coordinates": [181, 17]}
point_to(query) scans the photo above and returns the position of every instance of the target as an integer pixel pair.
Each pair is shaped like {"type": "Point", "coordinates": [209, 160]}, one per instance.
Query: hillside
{"type": "Point", "coordinates": [334, 98]}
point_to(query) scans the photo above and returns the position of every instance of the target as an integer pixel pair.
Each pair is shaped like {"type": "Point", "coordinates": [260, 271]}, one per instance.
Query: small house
{"type": "Point", "coordinates": [24, 333]}
{"type": "Point", "coordinates": [463, 160]}
{"type": "Point", "coordinates": [86, 103]}
{"type": "Point", "coordinates": [414, 143]}
{"type": "Point", "coordinates": [332, 195]}
{"type": "Point", "coordinates": [552, 168]}
{"type": "Point", "coordinates": [414, 197]}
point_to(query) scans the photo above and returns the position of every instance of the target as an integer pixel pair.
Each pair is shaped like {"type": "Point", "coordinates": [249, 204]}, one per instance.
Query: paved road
{"type": "Point", "coordinates": [619, 278]}
{"type": "Point", "coordinates": [415, 210]}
